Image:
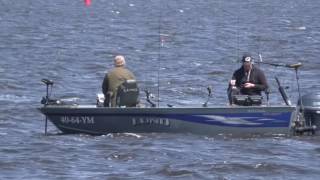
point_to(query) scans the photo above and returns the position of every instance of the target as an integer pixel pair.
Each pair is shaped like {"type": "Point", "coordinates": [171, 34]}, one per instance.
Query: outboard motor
{"type": "Point", "coordinates": [311, 109]}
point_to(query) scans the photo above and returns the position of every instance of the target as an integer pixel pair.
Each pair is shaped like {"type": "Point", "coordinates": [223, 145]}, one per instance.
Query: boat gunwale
{"type": "Point", "coordinates": [83, 109]}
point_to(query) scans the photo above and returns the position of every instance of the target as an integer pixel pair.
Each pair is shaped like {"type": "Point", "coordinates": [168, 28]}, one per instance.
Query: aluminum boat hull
{"type": "Point", "coordinates": [208, 121]}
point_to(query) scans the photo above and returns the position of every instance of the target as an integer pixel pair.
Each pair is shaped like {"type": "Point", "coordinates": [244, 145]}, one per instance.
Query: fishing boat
{"type": "Point", "coordinates": [203, 120]}
{"type": "Point", "coordinates": [236, 120]}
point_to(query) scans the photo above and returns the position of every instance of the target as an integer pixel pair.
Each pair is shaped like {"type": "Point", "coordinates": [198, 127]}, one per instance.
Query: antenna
{"type": "Point", "coordinates": [238, 38]}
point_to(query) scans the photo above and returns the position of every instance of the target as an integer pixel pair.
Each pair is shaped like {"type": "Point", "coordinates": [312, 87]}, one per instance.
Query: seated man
{"type": "Point", "coordinates": [113, 79]}
{"type": "Point", "coordinates": [247, 80]}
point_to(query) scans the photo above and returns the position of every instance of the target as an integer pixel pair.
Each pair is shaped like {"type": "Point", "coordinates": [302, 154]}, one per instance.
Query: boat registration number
{"type": "Point", "coordinates": [77, 119]}
{"type": "Point", "coordinates": [150, 121]}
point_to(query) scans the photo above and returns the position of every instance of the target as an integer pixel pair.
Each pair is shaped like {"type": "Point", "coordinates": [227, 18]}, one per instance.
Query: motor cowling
{"type": "Point", "coordinates": [311, 109]}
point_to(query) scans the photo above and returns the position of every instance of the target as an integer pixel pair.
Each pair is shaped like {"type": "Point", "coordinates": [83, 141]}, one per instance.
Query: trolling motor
{"type": "Point", "coordinates": [205, 104]}
{"type": "Point", "coordinates": [46, 100]}
{"type": "Point", "coordinates": [305, 123]}
{"type": "Point", "coordinates": [281, 89]}
{"type": "Point", "coordinates": [302, 123]}
{"type": "Point", "coordinates": [48, 83]}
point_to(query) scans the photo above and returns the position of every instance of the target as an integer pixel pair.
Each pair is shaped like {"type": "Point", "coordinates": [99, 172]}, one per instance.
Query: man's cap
{"type": "Point", "coordinates": [247, 58]}
{"type": "Point", "coordinates": [119, 61]}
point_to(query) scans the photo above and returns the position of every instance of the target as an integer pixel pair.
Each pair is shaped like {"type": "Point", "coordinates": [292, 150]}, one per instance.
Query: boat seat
{"type": "Point", "coordinates": [236, 98]}
{"type": "Point", "coordinates": [127, 94]}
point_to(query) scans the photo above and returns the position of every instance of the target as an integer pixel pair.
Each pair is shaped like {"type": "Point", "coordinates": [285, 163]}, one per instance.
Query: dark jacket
{"type": "Point", "coordinates": [113, 80]}
{"type": "Point", "coordinates": [257, 77]}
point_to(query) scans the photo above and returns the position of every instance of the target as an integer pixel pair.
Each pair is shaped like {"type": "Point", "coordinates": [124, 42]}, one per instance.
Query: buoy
{"type": "Point", "coordinates": [87, 2]}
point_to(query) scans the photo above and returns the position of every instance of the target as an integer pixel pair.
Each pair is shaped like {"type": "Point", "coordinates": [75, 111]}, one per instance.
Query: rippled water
{"type": "Point", "coordinates": [202, 41]}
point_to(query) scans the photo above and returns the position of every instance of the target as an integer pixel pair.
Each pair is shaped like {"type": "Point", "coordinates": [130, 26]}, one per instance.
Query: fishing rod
{"type": "Point", "coordinates": [294, 66]}
{"type": "Point", "coordinates": [283, 93]}
{"type": "Point", "coordinates": [205, 104]}
{"type": "Point", "coordinates": [160, 45]}
{"type": "Point", "coordinates": [148, 94]}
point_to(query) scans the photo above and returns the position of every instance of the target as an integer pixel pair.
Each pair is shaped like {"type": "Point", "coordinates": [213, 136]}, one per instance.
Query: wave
{"type": "Point", "coordinates": [14, 98]}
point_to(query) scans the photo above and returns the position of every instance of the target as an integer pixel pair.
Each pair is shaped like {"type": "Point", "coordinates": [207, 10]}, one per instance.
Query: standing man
{"type": "Point", "coordinates": [247, 80]}
{"type": "Point", "coordinates": [114, 78]}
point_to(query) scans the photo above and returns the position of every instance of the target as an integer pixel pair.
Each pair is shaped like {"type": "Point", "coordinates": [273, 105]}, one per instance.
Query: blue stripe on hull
{"type": "Point", "coordinates": [245, 120]}
{"type": "Point", "coordinates": [237, 120]}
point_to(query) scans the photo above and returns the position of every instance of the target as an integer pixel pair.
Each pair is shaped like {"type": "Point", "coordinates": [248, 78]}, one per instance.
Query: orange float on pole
{"type": "Point", "coordinates": [87, 2]}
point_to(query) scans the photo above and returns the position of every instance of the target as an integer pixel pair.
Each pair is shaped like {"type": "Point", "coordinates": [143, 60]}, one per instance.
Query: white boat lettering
{"type": "Point", "coordinates": [77, 119]}
{"type": "Point", "coordinates": [150, 121]}
{"type": "Point", "coordinates": [256, 111]}
{"type": "Point", "coordinates": [271, 114]}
